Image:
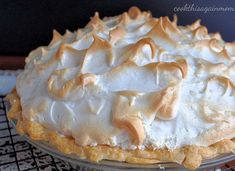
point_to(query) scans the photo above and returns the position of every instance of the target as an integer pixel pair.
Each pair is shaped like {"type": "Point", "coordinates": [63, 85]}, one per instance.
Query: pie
{"type": "Point", "coordinates": [131, 88]}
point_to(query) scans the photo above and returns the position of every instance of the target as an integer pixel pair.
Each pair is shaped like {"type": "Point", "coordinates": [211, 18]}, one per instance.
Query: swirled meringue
{"type": "Point", "coordinates": [133, 81]}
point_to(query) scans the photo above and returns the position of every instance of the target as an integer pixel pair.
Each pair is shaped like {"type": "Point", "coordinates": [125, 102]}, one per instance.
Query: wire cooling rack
{"type": "Point", "coordinates": [18, 155]}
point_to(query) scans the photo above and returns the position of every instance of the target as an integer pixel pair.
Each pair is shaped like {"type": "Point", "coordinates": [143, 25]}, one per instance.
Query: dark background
{"type": "Point", "coordinates": [26, 24]}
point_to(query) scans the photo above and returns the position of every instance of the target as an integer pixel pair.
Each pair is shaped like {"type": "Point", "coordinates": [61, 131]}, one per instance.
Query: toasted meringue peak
{"type": "Point", "coordinates": [175, 20]}
{"type": "Point", "coordinates": [134, 12]}
{"type": "Point", "coordinates": [96, 23]}
{"type": "Point", "coordinates": [116, 34]}
{"type": "Point", "coordinates": [200, 32]}
{"type": "Point", "coordinates": [215, 45]}
{"type": "Point", "coordinates": [159, 34]}
{"type": "Point", "coordinates": [137, 47]}
{"type": "Point", "coordinates": [125, 19]}
{"type": "Point", "coordinates": [87, 78]}
{"type": "Point", "coordinates": [171, 27]}
{"type": "Point", "coordinates": [132, 81]}
{"type": "Point", "coordinates": [56, 36]}
{"type": "Point", "coordinates": [195, 25]}
{"type": "Point", "coordinates": [98, 44]}
{"type": "Point", "coordinates": [167, 105]}
{"type": "Point", "coordinates": [59, 92]}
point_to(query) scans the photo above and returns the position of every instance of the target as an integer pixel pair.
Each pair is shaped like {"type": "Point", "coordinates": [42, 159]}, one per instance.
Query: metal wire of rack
{"type": "Point", "coordinates": [18, 155]}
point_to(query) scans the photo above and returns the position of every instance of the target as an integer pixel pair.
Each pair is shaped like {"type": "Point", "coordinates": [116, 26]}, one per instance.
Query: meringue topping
{"type": "Point", "coordinates": [132, 81]}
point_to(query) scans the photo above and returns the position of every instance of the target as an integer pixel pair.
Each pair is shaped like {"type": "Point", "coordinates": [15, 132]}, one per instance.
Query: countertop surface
{"type": "Point", "coordinates": [12, 62]}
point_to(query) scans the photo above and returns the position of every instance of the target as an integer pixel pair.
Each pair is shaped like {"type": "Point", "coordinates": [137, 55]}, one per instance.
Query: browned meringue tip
{"type": "Point", "coordinates": [61, 92]}
{"type": "Point", "coordinates": [128, 119]}
{"type": "Point", "coordinates": [159, 30]}
{"type": "Point", "coordinates": [86, 79]}
{"type": "Point", "coordinates": [166, 106]}
{"type": "Point", "coordinates": [215, 45]}
{"type": "Point", "coordinates": [170, 26]}
{"type": "Point", "coordinates": [96, 23]}
{"type": "Point", "coordinates": [181, 65]}
{"type": "Point", "coordinates": [99, 44]}
{"type": "Point", "coordinates": [56, 36]}
{"type": "Point", "coordinates": [60, 51]}
{"type": "Point", "coordinates": [134, 12]}
{"type": "Point", "coordinates": [200, 32]}
{"type": "Point", "coordinates": [133, 125]}
{"type": "Point", "coordinates": [195, 25]}
{"type": "Point", "coordinates": [124, 19]}
{"type": "Point", "coordinates": [224, 54]}
{"type": "Point", "coordinates": [116, 34]}
{"type": "Point", "coordinates": [175, 20]}
{"type": "Point", "coordinates": [145, 41]}
{"type": "Point", "coordinates": [57, 56]}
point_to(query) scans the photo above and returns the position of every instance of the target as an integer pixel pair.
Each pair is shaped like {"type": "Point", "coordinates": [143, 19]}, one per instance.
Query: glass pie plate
{"type": "Point", "coordinates": [115, 165]}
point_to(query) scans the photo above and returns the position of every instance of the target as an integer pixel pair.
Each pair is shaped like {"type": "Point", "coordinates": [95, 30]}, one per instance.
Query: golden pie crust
{"type": "Point", "coordinates": [189, 156]}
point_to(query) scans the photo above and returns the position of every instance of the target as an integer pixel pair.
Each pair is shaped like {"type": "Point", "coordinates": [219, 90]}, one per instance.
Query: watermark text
{"type": "Point", "coordinates": [204, 9]}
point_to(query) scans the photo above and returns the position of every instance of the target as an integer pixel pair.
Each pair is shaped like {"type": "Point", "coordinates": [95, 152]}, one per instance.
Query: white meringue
{"type": "Point", "coordinates": [132, 81]}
